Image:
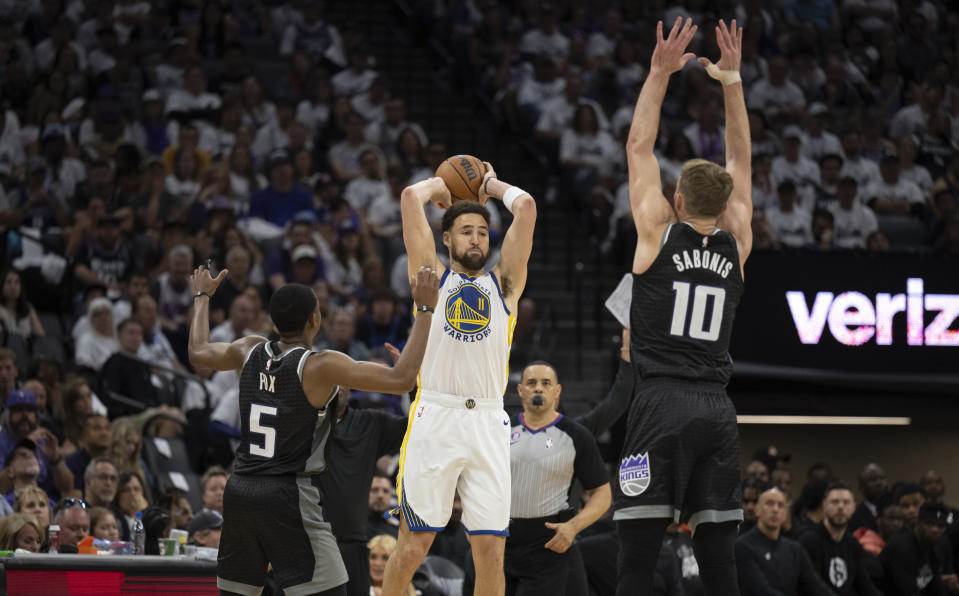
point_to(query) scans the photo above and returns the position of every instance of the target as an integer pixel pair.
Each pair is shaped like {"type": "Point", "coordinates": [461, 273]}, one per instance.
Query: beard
{"type": "Point", "coordinates": [470, 261]}
{"type": "Point", "coordinates": [839, 520]}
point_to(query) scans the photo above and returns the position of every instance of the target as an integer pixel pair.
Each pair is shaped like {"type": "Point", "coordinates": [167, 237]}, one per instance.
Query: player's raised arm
{"type": "Point", "coordinates": [518, 242]}
{"type": "Point", "coordinates": [417, 236]}
{"type": "Point", "coordinates": [650, 208]}
{"type": "Point", "coordinates": [737, 218]}
{"type": "Point", "coordinates": [331, 368]}
{"type": "Point", "coordinates": [204, 354]}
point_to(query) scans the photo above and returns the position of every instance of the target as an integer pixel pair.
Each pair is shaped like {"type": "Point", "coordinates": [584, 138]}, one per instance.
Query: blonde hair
{"type": "Point", "coordinates": [23, 493]}
{"type": "Point", "coordinates": [12, 525]}
{"type": "Point", "coordinates": [121, 428]}
{"type": "Point", "coordinates": [705, 187]}
{"type": "Point", "coordinates": [388, 543]}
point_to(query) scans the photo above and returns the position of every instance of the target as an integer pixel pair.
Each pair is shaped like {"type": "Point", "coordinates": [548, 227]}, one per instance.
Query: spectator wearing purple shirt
{"type": "Point", "coordinates": [281, 200]}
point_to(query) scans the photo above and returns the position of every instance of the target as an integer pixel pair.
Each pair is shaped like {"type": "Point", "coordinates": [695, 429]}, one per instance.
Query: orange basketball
{"type": "Point", "coordinates": [463, 175]}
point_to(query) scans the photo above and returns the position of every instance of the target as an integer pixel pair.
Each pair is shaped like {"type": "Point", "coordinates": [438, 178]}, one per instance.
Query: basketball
{"type": "Point", "coordinates": [463, 175]}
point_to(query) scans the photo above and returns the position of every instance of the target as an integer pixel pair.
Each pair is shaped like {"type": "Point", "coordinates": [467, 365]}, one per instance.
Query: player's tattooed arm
{"type": "Point", "coordinates": [417, 235]}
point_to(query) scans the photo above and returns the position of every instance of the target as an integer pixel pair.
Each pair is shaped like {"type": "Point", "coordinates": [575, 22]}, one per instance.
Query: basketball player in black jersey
{"type": "Point", "coordinates": [680, 459]}
{"type": "Point", "coordinates": [272, 506]}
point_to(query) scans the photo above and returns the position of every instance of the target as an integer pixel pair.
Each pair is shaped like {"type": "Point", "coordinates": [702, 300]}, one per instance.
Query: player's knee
{"type": "Point", "coordinates": [715, 543]}
{"type": "Point", "coordinates": [488, 550]}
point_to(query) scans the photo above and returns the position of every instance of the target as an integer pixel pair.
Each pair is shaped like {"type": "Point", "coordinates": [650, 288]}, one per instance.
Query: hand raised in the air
{"type": "Point", "coordinates": [670, 54]}
{"type": "Point", "coordinates": [730, 42]}
{"type": "Point", "coordinates": [440, 195]}
{"type": "Point", "coordinates": [201, 281]}
{"type": "Point", "coordinates": [426, 287]}
{"type": "Point", "coordinates": [490, 173]}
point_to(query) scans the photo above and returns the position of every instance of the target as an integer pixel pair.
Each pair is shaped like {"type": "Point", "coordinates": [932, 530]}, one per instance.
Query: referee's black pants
{"type": "Point", "coordinates": [534, 570]}
{"type": "Point", "coordinates": [356, 558]}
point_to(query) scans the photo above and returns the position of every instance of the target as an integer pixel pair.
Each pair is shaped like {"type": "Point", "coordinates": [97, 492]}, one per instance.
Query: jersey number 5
{"type": "Point", "coordinates": [701, 296]}
{"type": "Point", "coordinates": [269, 434]}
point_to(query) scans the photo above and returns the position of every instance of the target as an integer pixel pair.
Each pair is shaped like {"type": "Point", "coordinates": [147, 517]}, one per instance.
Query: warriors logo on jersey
{"type": "Point", "coordinates": [468, 312]}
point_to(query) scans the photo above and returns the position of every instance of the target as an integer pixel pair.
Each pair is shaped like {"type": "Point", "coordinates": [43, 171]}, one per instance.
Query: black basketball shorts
{"type": "Point", "coordinates": [680, 459]}
{"type": "Point", "coordinates": [276, 520]}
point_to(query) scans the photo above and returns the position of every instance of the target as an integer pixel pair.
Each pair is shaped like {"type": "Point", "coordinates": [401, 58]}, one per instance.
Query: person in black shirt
{"type": "Point", "coordinates": [680, 460]}
{"type": "Point", "coordinates": [769, 563]}
{"type": "Point", "coordinates": [910, 561]}
{"type": "Point", "coordinates": [272, 504]}
{"type": "Point", "coordinates": [874, 486]}
{"type": "Point", "coordinates": [835, 553]}
{"type": "Point", "coordinates": [124, 381]}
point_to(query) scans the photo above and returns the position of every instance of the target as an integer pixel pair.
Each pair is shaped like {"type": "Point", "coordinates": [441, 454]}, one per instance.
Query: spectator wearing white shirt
{"type": "Point", "coordinates": [854, 222]}
{"type": "Point", "coordinates": [545, 39]}
{"type": "Point", "coordinates": [792, 165]}
{"type": "Point", "coordinates": [792, 225]}
{"type": "Point", "coordinates": [707, 135]}
{"type": "Point", "coordinates": [99, 342]}
{"type": "Point", "coordinates": [273, 135]}
{"type": "Point", "coordinates": [536, 92]}
{"type": "Point", "coordinates": [384, 217]}
{"type": "Point", "coordinates": [63, 173]}
{"type": "Point", "coordinates": [364, 190]}
{"type": "Point", "coordinates": [909, 169]}
{"type": "Point", "coordinates": [891, 194]}
{"type": "Point", "coordinates": [315, 37]}
{"type": "Point", "coordinates": [384, 133]}
{"type": "Point", "coordinates": [371, 103]}
{"type": "Point", "coordinates": [764, 140]}
{"type": "Point", "coordinates": [557, 113]}
{"type": "Point", "coordinates": [344, 157]}
{"type": "Point", "coordinates": [602, 44]}
{"type": "Point", "coordinates": [357, 78]}
{"type": "Point", "coordinates": [12, 156]}
{"type": "Point", "coordinates": [914, 118]}
{"type": "Point", "coordinates": [585, 151]}
{"type": "Point", "coordinates": [830, 165]}
{"type": "Point", "coordinates": [819, 141]}
{"type": "Point", "coordinates": [61, 37]}
{"type": "Point", "coordinates": [257, 111]}
{"type": "Point", "coordinates": [863, 170]}
{"type": "Point", "coordinates": [779, 98]}
{"type": "Point", "coordinates": [184, 182]}
{"type": "Point", "coordinates": [315, 112]}
{"type": "Point", "coordinates": [237, 325]}
{"type": "Point", "coordinates": [193, 100]}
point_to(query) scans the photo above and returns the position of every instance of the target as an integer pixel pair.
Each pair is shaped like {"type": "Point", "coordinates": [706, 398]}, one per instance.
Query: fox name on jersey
{"type": "Point", "coordinates": [715, 262]}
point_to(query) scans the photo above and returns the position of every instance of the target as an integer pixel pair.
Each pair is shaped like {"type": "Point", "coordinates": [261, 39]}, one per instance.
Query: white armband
{"type": "Point", "coordinates": [511, 194]}
{"type": "Point", "coordinates": [726, 77]}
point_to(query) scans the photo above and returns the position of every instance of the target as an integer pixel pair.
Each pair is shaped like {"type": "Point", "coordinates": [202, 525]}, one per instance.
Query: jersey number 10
{"type": "Point", "coordinates": [701, 296]}
{"type": "Point", "coordinates": [269, 433]}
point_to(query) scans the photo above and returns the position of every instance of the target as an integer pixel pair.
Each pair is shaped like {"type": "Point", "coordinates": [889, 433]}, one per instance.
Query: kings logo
{"type": "Point", "coordinates": [634, 474]}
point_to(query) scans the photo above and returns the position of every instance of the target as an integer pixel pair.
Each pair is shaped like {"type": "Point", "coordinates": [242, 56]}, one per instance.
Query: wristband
{"type": "Point", "coordinates": [198, 294]}
{"type": "Point", "coordinates": [726, 77]}
{"type": "Point", "coordinates": [511, 194]}
{"type": "Point", "coordinates": [424, 308]}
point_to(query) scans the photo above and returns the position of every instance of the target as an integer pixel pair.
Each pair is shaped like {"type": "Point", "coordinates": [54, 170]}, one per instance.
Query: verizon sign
{"type": "Point", "coordinates": [855, 319]}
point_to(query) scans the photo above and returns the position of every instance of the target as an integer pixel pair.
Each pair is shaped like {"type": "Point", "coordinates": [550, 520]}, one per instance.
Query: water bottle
{"type": "Point", "coordinates": [139, 536]}
{"type": "Point", "coordinates": [53, 540]}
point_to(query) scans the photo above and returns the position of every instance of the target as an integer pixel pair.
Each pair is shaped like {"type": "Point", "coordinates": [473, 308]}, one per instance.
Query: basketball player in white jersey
{"type": "Point", "coordinates": [458, 433]}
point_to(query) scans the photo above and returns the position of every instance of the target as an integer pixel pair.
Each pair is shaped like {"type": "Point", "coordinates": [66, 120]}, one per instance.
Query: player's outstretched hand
{"type": "Point", "coordinates": [426, 287]}
{"type": "Point", "coordinates": [490, 173]}
{"type": "Point", "coordinates": [730, 42]}
{"type": "Point", "coordinates": [670, 54]}
{"type": "Point", "coordinates": [201, 281]}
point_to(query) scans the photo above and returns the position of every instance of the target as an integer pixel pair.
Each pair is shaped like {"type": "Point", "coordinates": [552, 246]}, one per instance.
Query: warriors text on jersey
{"type": "Point", "coordinates": [470, 336]}
{"type": "Point", "coordinates": [684, 304]}
{"type": "Point", "coordinates": [282, 433]}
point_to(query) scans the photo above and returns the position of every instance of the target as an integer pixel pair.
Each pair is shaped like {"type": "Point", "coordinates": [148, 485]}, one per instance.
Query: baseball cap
{"type": "Point", "coordinates": [818, 108]}
{"type": "Point", "coordinates": [934, 512]}
{"type": "Point", "coordinates": [21, 397]}
{"type": "Point", "coordinates": [304, 251]}
{"type": "Point", "coordinates": [792, 132]}
{"type": "Point", "coordinates": [348, 227]}
{"type": "Point", "coordinates": [21, 444]}
{"type": "Point", "coordinates": [307, 215]}
{"type": "Point", "coordinates": [279, 157]}
{"type": "Point", "coordinates": [206, 520]}
{"type": "Point", "coordinates": [152, 94]}
{"type": "Point", "coordinates": [52, 130]}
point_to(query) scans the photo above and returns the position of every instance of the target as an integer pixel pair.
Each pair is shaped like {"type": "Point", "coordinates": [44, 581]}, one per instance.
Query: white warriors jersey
{"type": "Point", "coordinates": [470, 336]}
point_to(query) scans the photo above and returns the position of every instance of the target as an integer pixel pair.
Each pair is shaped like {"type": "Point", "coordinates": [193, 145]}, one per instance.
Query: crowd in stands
{"type": "Point", "coordinates": [853, 110]}
{"type": "Point", "coordinates": [139, 140]}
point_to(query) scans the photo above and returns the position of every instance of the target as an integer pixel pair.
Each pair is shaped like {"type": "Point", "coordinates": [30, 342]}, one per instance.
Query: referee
{"type": "Point", "coordinates": [547, 452]}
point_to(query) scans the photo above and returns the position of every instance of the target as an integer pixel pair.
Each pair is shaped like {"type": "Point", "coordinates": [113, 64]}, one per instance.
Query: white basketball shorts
{"type": "Point", "coordinates": [454, 444]}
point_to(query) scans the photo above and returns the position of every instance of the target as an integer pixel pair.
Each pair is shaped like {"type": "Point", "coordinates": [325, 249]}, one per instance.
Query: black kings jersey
{"type": "Point", "coordinates": [683, 307]}
{"type": "Point", "coordinates": [282, 433]}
